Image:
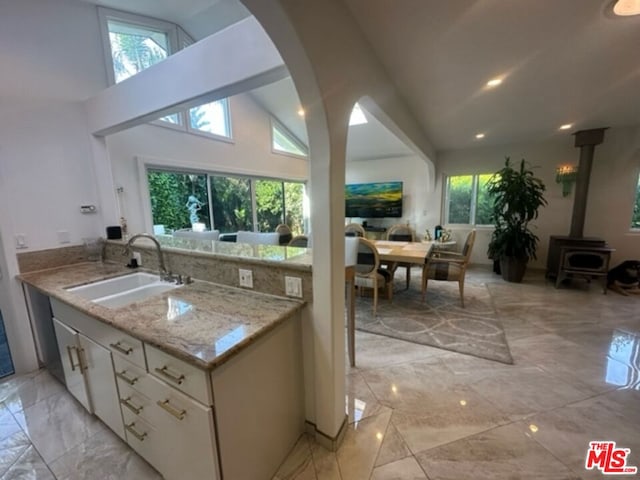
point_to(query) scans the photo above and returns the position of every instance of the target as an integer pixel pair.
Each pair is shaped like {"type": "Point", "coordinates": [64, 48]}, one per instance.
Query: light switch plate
{"type": "Point", "coordinates": [246, 278]}
{"type": "Point", "coordinates": [293, 286]}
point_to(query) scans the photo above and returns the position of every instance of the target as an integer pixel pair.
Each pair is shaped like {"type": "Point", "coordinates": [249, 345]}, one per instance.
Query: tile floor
{"type": "Point", "coordinates": [415, 412]}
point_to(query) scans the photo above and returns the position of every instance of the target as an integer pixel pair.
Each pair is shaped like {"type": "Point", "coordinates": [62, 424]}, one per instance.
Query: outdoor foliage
{"type": "Point", "coordinates": [169, 193]}
{"type": "Point", "coordinates": [461, 196]}
{"type": "Point", "coordinates": [635, 220]}
{"type": "Point", "coordinates": [231, 204]}
{"type": "Point", "coordinates": [133, 53]}
{"type": "Point", "coordinates": [276, 201]}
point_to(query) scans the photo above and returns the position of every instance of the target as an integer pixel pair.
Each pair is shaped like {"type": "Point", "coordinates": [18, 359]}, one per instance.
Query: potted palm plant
{"type": "Point", "coordinates": [517, 196]}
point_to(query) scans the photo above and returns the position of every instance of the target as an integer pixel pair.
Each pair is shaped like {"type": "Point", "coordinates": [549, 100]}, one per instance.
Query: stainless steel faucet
{"type": "Point", "coordinates": [164, 274]}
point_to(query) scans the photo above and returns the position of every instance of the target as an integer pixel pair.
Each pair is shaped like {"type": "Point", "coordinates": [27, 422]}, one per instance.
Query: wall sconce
{"type": "Point", "coordinates": [566, 175]}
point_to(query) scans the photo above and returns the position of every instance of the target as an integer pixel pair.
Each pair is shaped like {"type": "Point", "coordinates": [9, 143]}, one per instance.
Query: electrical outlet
{"type": "Point", "coordinates": [293, 286]}
{"type": "Point", "coordinates": [21, 241]}
{"type": "Point", "coordinates": [137, 256]}
{"type": "Point", "coordinates": [246, 278]}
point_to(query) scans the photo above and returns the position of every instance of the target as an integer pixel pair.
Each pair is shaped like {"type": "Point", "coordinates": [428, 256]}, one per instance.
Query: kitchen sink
{"type": "Point", "coordinates": [120, 291]}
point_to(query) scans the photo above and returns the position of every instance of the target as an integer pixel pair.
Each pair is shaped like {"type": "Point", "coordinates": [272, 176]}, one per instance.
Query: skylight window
{"type": "Point", "coordinates": [357, 116]}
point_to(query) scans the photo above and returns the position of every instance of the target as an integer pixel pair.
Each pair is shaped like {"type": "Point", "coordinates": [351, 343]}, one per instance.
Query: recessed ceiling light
{"type": "Point", "coordinates": [480, 135]}
{"type": "Point", "coordinates": [494, 82]}
{"type": "Point", "coordinates": [301, 112]}
{"type": "Point", "coordinates": [627, 8]}
{"type": "Point", "coordinates": [566, 126]}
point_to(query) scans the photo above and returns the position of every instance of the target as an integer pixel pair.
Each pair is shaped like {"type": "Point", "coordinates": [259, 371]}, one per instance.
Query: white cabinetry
{"type": "Point", "coordinates": [172, 431]}
{"type": "Point", "coordinates": [88, 373]}
{"type": "Point", "coordinates": [70, 352]}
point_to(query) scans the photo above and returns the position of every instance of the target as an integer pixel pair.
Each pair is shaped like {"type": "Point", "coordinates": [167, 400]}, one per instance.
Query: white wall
{"type": "Point", "coordinates": [248, 154]}
{"type": "Point", "coordinates": [417, 209]}
{"type": "Point", "coordinates": [611, 193]}
{"type": "Point", "coordinates": [51, 59]}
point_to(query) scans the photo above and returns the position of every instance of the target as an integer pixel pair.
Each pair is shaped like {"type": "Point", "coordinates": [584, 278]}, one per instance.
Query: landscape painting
{"type": "Point", "coordinates": [373, 200]}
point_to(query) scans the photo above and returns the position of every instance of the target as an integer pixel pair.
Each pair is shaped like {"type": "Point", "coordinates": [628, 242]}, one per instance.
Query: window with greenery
{"type": "Point", "coordinates": [282, 140]}
{"type": "Point", "coordinates": [211, 118]}
{"type": "Point", "coordinates": [135, 48]}
{"type": "Point", "coordinates": [236, 203]}
{"type": "Point", "coordinates": [232, 206]}
{"type": "Point", "coordinates": [635, 219]}
{"type": "Point", "coordinates": [133, 43]}
{"type": "Point", "coordinates": [467, 200]}
{"type": "Point", "coordinates": [171, 194]}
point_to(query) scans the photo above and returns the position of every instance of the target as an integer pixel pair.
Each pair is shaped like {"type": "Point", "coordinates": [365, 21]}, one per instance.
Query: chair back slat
{"type": "Point", "coordinates": [401, 233]}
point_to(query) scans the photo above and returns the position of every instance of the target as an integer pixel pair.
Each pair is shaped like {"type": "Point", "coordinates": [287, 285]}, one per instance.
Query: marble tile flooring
{"type": "Point", "coordinates": [415, 412]}
{"type": "Point", "coordinates": [418, 412]}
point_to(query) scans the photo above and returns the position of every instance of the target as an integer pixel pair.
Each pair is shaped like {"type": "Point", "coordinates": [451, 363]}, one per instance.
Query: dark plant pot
{"type": "Point", "coordinates": [513, 268]}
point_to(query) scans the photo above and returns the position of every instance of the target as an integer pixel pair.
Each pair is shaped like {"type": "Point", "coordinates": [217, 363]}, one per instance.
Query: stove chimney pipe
{"type": "Point", "coordinates": [587, 141]}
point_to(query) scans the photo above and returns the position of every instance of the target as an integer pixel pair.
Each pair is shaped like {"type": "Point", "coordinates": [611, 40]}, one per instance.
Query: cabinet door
{"type": "Point", "coordinates": [73, 371]}
{"type": "Point", "coordinates": [101, 383]}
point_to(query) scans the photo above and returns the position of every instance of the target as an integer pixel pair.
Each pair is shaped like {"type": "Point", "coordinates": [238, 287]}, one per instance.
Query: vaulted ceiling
{"type": "Point", "coordinates": [560, 62]}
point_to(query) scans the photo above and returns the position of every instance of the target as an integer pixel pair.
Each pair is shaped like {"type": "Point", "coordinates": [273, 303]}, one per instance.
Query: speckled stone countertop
{"type": "Point", "coordinates": [202, 323]}
{"type": "Point", "coordinates": [292, 257]}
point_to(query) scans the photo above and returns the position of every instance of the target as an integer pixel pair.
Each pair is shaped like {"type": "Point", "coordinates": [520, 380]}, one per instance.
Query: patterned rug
{"type": "Point", "coordinates": [440, 321]}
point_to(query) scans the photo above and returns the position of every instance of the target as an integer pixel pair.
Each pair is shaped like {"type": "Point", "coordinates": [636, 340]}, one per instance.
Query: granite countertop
{"type": "Point", "coordinates": [280, 255]}
{"type": "Point", "coordinates": [202, 323]}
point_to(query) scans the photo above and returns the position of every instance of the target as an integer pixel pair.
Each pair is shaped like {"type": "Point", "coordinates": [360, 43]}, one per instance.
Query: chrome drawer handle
{"type": "Point", "coordinates": [140, 436]}
{"type": "Point", "coordinates": [166, 406]}
{"type": "Point", "coordinates": [127, 403]}
{"type": "Point", "coordinates": [125, 351]}
{"type": "Point", "coordinates": [123, 376]}
{"type": "Point", "coordinates": [167, 374]}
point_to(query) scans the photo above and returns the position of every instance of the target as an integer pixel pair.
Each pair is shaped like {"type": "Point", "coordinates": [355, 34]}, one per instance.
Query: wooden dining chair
{"type": "Point", "coordinates": [354, 230]}
{"type": "Point", "coordinates": [369, 274]}
{"type": "Point", "coordinates": [299, 241]}
{"type": "Point", "coordinates": [400, 233]}
{"type": "Point", "coordinates": [285, 233]}
{"type": "Point", "coordinates": [448, 266]}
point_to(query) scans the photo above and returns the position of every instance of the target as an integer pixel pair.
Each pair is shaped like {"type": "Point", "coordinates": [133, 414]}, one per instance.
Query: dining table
{"type": "Point", "coordinates": [388, 251]}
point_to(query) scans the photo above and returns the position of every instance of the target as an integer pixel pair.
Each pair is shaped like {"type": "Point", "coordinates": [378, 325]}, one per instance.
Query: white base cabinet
{"type": "Point", "coordinates": [164, 407]}
{"type": "Point", "coordinates": [88, 372]}
{"type": "Point", "coordinates": [74, 373]}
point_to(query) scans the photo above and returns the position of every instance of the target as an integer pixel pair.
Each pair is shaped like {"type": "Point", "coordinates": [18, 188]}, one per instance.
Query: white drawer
{"type": "Point", "coordinates": [179, 374]}
{"type": "Point", "coordinates": [136, 403]}
{"type": "Point", "coordinates": [146, 440]}
{"type": "Point", "coordinates": [188, 426]}
{"type": "Point", "coordinates": [109, 337]}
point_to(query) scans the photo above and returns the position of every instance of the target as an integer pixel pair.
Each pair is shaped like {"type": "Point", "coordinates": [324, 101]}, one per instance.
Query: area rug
{"type": "Point", "coordinates": [440, 321]}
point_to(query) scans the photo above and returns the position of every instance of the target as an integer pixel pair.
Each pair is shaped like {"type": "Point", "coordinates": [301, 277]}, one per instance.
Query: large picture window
{"type": "Point", "coordinates": [467, 200]}
{"type": "Point", "coordinates": [180, 199]}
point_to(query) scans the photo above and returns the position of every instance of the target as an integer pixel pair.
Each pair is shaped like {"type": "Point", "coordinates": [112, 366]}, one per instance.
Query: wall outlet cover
{"type": "Point", "coordinates": [246, 278]}
{"type": "Point", "coordinates": [21, 241]}
{"type": "Point", "coordinates": [138, 258]}
{"type": "Point", "coordinates": [64, 236]}
{"type": "Point", "coordinates": [293, 286]}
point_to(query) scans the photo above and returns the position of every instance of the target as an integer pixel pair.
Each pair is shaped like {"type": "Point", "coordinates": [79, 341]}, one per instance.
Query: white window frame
{"type": "Point", "coordinates": [227, 119]}
{"type": "Point", "coordinates": [474, 200]}
{"type": "Point", "coordinates": [147, 163]}
{"type": "Point", "coordinates": [106, 14]}
{"type": "Point", "coordinates": [291, 137]}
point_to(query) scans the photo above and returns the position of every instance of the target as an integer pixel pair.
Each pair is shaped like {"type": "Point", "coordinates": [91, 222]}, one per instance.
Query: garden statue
{"type": "Point", "coordinates": [193, 205]}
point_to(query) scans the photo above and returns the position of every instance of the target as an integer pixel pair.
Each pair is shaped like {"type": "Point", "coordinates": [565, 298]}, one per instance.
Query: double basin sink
{"type": "Point", "coordinates": [120, 291]}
